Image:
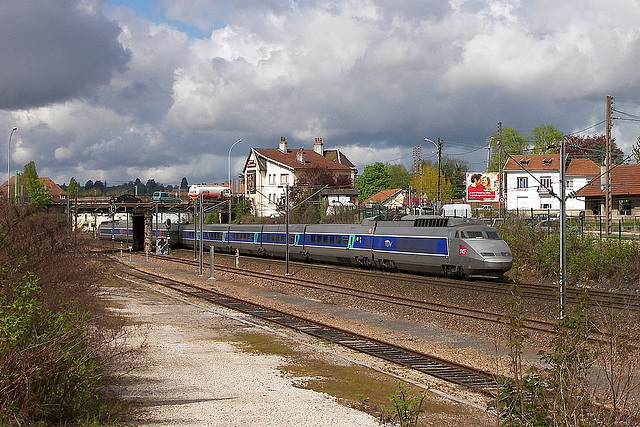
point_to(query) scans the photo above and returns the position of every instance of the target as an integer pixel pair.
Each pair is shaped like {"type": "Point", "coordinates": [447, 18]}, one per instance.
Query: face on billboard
{"type": "Point", "coordinates": [482, 187]}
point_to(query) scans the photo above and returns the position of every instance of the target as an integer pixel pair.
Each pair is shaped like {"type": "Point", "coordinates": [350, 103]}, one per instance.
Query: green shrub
{"type": "Point", "coordinates": [52, 353]}
{"type": "Point", "coordinates": [588, 258]}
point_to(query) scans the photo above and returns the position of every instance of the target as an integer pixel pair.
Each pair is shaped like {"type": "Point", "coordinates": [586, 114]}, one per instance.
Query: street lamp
{"type": "Point", "coordinates": [439, 148]}
{"type": "Point", "coordinates": [229, 171]}
{"type": "Point", "coordinates": [8, 164]}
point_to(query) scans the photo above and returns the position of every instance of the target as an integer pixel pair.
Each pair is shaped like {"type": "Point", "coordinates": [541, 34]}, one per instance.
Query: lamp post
{"type": "Point", "coordinates": [439, 148]}
{"type": "Point", "coordinates": [8, 164]}
{"type": "Point", "coordinates": [229, 172]}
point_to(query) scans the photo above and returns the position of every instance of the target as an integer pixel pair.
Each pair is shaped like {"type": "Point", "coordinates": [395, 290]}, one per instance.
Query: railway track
{"type": "Point", "coordinates": [532, 325]}
{"type": "Point", "coordinates": [378, 297]}
{"type": "Point", "coordinates": [474, 379]}
{"type": "Point", "coordinates": [615, 300]}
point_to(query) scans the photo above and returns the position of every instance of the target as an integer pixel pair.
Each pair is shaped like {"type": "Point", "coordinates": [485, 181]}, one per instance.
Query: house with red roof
{"type": "Point", "coordinates": [625, 192]}
{"type": "Point", "coordinates": [394, 198]}
{"type": "Point", "coordinates": [267, 172]}
{"type": "Point", "coordinates": [532, 182]}
{"type": "Point", "coordinates": [58, 195]}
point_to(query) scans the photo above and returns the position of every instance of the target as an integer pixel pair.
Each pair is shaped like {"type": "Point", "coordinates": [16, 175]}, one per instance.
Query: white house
{"type": "Point", "coordinates": [533, 182]}
{"type": "Point", "coordinates": [268, 171]}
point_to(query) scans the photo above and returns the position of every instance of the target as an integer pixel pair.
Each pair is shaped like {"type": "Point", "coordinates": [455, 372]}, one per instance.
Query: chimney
{"type": "Point", "coordinates": [318, 147]}
{"type": "Point", "coordinates": [300, 156]}
{"type": "Point", "coordinates": [282, 146]}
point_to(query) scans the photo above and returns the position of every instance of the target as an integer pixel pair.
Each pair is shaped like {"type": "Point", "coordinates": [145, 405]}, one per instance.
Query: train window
{"type": "Point", "coordinates": [491, 234]}
{"type": "Point", "coordinates": [332, 240]}
{"type": "Point", "coordinates": [312, 239]}
{"type": "Point", "coordinates": [345, 240]}
{"type": "Point", "coordinates": [324, 240]}
{"type": "Point", "coordinates": [291, 237]}
{"type": "Point", "coordinates": [474, 234]}
{"type": "Point", "coordinates": [457, 234]}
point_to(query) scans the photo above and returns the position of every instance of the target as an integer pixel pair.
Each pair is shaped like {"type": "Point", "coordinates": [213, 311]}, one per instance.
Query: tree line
{"type": "Point", "coordinates": [99, 188]}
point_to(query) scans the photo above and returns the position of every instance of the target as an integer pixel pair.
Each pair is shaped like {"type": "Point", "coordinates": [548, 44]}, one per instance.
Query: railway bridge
{"type": "Point", "coordinates": [144, 216]}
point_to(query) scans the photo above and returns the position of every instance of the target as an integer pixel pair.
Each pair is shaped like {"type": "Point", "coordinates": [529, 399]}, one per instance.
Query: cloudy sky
{"type": "Point", "coordinates": [115, 90]}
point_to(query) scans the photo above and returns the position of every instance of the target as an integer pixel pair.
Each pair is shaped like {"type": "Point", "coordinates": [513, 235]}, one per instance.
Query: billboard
{"type": "Point", "coordinates": [483, 186]}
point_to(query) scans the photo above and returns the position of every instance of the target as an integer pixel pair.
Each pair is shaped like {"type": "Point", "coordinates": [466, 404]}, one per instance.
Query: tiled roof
{"type": "Point", "coordinates": [382, 196]}
{"type": "Point", "coordinates": [290, 159]}
{"type": "Point", "coordinates": [582, 167]}
{"type": "Point", "coordinates": [532, 162]}
{"type": "Point", "coordinates": [625, 181]}
{"type": "Point", "coordinates": [538, 162]}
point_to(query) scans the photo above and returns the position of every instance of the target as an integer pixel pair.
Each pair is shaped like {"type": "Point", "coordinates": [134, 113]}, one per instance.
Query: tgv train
{"type": "Point", "coordinates": [427, 244]}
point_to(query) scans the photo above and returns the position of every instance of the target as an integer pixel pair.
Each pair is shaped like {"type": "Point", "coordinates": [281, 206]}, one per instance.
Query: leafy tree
{"type": "Point", "coordinates": [428, 183]}
{"type": "Point", "coordinates": [71, 188]}
{"type": "Point", "coordinates": [374, 179]}
{"type": "Point", "coordinates": [636, 150]}
{"type": "Point", "coordinates": [184, 183]}
{"type": "Point", "coordinates": [453, 170]}
{"type": "Point", "coordinates": [30, 171]}
{"type": "Point", "coordinates": [243, 209]}
{"type": "Point", "coordinates": [39, 195]}
{"type": "Point", "coordinates": [399, 176]}
{"type": "Point", "coordinates": [88, 185]}
{"type": "Point", "coordinates": [512, 143]}
{"type": "Point", "coordinates": [545, 139]}
{"type": "Point", "coordinates": [592, 147]}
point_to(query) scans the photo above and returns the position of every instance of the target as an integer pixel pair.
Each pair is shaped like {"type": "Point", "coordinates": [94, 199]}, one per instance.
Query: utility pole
{"type": "Point", "coordinates": [608, 202]}
{"type": "Point", "coordinates": [417, 169]}
{"type": "Point", "coordinates": [501, 194]}
{"type": "Point", "coordinates": [563, 230]}
{"type": "Point", "coordinates": [286, 202]}
{"type": "Point", "coordinates": [438, 202]}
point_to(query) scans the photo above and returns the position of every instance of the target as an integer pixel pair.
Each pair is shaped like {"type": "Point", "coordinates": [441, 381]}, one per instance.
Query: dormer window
{"type": "Point", "coordinates": [547, 162]}
{"type": "Point", "coordinates": [524, 162]}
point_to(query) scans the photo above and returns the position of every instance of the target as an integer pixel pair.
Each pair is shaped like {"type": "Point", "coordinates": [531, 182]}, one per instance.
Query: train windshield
{"type": "Point", "coordinates": [472, 234]}
{"type": "Point", "coordinates": [492, 234]}
{"type": "Point", "coordinates": [477, 234]}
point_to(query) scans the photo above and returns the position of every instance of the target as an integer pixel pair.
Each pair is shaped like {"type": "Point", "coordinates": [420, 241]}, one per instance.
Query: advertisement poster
{"type": "Point", "coordinates": [251, 182]}
{"type": "Point", "coordinates": [482, 186]}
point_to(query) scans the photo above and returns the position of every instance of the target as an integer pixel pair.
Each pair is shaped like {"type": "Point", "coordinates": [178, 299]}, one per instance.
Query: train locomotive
{"type": "Point", "coordinates": [463, 247]}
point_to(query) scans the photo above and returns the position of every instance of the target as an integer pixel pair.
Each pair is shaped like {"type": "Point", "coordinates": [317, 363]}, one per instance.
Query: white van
{"type": "Point", "coordinates": [164, 196]}
{"type": "Point", "coordinates": [458, 210]}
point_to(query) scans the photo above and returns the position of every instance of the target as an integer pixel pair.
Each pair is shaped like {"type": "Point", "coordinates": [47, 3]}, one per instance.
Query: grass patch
{"type": "Point", "coordinates": [353, 385]}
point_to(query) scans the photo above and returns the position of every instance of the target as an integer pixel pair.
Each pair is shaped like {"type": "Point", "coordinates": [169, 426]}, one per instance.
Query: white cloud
{"type": "Point", "coordinates": [373, 78]}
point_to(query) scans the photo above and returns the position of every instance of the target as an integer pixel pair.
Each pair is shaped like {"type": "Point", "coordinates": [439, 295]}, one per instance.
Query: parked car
{"type": "Point", "coordinates": [165, 196]}
{"type": "Point", "coordinates": [126, 198]}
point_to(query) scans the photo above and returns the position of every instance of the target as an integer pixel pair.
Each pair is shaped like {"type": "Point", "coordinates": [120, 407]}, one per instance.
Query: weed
{"type": "Point", "coordinates": [405, 407]}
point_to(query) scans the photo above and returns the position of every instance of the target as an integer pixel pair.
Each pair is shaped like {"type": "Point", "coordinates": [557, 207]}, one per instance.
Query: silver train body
{"type": "Point", "coordinates": [463, 247]}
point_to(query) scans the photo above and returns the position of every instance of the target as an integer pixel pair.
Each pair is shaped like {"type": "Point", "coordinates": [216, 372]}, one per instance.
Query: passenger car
{"type": "Point", "coordinates": [126, 198]}
{"type": "Point", "coordinates": [165, 196]}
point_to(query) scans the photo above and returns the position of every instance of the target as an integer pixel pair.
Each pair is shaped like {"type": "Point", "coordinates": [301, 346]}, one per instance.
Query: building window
{"type": "Point", "coordinates": [624, 207]}
{"type": "Point", "coordinates": [545, 182]}
{"type": "Point", "coordinates": [569, 185]}
{"type": "Point", "coordinates": [523, 182]}
{"type": "Point", "coordinates": [272, 178]}
{"type": "Point", "coordinates": [284, 178]}
{"type": "Point", "coordinates": [545, 206]}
